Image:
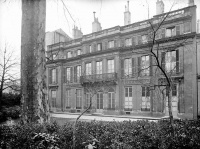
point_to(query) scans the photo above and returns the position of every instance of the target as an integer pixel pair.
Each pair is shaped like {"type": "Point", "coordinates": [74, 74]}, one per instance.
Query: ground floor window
{"type": "Point", "coordinates": [145, 99]}
{"type": "Point", "coordinates": [111, 100]}
{"type": "Point", "coordinates": [78, 99]}
{"type": "Point", "coordinates": [128, 98]}
{"type": "Point", "coordinates": [87, 100]}
{"type": "Point", "coordinates": [68, 98]}
{"type": "Point", "coordinates": [99, 100]}
{"type": "Point", "coordinates": [53, 98]}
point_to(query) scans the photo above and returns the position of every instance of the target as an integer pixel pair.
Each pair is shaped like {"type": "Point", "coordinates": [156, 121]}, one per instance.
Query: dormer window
{"type": "Point", "coordinates": [99, 46]}
{"type": "Point", "coordinates": [144, 39]}
{"type": "Point", "coordinates": [90, 49]}
{"type": "Point", "coordinates": [111, 44]}
{"type": "Point", "coordinates": [187, 27]}
{"type": "Point", "coordinates": [78, 52]}
{"type": "Point", "coordinates": [69, 54]}
{"type": "Point", "coordinates": [170, 31]}
{"type": "Point", "coordinates": [128, 42]}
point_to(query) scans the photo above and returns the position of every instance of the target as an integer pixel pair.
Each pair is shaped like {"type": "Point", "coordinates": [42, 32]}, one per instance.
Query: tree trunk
{"type": "Point", "coordinates": [33, 64]}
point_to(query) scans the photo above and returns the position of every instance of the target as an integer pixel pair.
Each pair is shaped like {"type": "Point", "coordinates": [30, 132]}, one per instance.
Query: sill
{"type": "Point", "coordinates": [145, 110]}
{"type": "Point", "coordinates": [78, 107]}
{"type": "Point", "coordinates": [126, 109]}
{"type": "Point", "coordinates": [111, 109]}
{"type": "Point", "coordinates": [68, 107]}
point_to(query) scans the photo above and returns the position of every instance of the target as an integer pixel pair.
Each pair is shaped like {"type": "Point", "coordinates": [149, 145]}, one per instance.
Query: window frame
{"type": "Point", "coordinates": [112, 65]}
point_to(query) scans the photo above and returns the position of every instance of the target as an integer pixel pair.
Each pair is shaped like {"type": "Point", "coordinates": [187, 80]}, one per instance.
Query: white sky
{"type": "Point", "coordinates": [109, 12]}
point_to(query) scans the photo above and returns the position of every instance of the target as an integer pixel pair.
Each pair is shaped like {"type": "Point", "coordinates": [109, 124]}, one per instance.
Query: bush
{"type": "Point", "coordinates": [112, 135]}
{"type": "Point", "coordinates": [10, 99]}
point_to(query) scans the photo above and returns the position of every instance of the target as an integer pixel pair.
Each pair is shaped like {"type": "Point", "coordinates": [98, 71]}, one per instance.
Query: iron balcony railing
{"type": "Point", "coordinates": [98, 77]}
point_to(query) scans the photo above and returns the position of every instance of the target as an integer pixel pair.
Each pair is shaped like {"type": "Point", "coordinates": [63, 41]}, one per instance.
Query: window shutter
{"type": "Point", "coordinates": [178, 30]}
{"type": "Point", "coordinates": [50, 76]}
{"type": "Point", "coordinates": [115, 43]}
{"type": "Point", "coordinates": [122, 68]}
{"type": "Point", "coordinates": [105, 45]}
{"type": "Point", "coordinates": [133, 67]}
{"type": "Point", "coordinates": [139, 65]}
{"type": "Point", "coordinates": [94, 47]}
{"type": "Point", "coordinates": [163, 32]}
{"type": "Point", "coordinates": [151, 65]}
{"type": "Point", "coordinates": [139, 39]}
{"type": "Point", "coordinates": [181, 29]}
{"type": "Point", "coordinates": [163, 60]}
{"type": "Point", "coordinates": [56, 75]}
{"type": "Point", "coordinates": [177, 61]}
{"type": "Point", "coordinates": [71, 75]}
{"type": "Point", "coordinates": [75, 74]}
{"type": "Point", "coordinates": [64, 74]}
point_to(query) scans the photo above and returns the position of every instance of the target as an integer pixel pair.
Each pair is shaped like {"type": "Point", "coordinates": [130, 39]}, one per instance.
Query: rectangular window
{"type": "Point", "coordinates": [135, 40]}
{"type": "Point", "coordinates": [144, 39]}
{"type": "Point", "coordinates": [128, 42]}
{"type": "Point", "coordinates": [111, 44]}
{"type": "Point", "coordinates": [99, 67]}
{"type": "Point", "coordinates": [88, 68]}
{"type": "Point", "coordinates": [68, 73]}
{"type": "Point", "coordinates": [170, 61]}
{"type": "Point", "coordinates": [87, 100]}
{"type": "Point", "coordinates": [90, 49]}
{"type": "Point", "coordinates": [163, 33]}
{"type": "Point", "coordinates": [145, 66]}
{"type": "Point", "coordinates": [78, 99]}
{"type": "Point", "coordinates": [54, 56]}
{"type": "Point", "coordinates": [127, 67]}
{"type": "Point", "coordinates": [68, 98]}
{"type": "Point", "coordinates": [78, 70]}
{"type": "Point", "coordinates": [139, 39]}
{"type": "Point", "coordinates": [78, 52]}
{"type": "Point", "coordinates": [53, 76]}
{"type": "Point", "coordinates": [111, 66]}
{"type": "Point", "coordinates": [170, 31]}
{"type": "Point", "coordinates": [99, 100]}
{"type": "Point", "coordinates": [178, 31]}
{"type": "Point", "coordinates": [174, 90]}
{"type": "Point", "coordinates": [53, 98]}
{"type": "Point", "coordinates": [69, 54]}
{"type": "Point", "coordinates": [111, 100]}
{"type": "Point", "coordinates": [128, 98]}
{"type": "Point", "coordinates": [99, 46]}
{"type": "Point", "coordinates": [145, 99]}
{"type": "Point", "coordinates": [187, 27]}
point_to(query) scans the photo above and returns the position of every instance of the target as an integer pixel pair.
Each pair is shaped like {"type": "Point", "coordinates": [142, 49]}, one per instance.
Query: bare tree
{"type": "Point", "coordinates": [8, 75]}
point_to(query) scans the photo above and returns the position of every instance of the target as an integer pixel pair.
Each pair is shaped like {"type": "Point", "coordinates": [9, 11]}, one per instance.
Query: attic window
{"type": "Point", "coordinates": [170, 31]}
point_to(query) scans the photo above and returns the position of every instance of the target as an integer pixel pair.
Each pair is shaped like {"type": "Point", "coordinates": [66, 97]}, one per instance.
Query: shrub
{"type": "Point", "coordinates": [112, 135]}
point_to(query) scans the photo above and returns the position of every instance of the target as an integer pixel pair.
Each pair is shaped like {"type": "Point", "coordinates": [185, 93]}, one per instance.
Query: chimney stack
{"type": "Point", "coordinates": [159, 7]}
{"type": "Point", "coordinates": [77, 33]}
{"type": "Point", "coordinates": [127, 15]}
{"type": "Point", "coordinates": [190, 2]}
{"type": "Point", "coordinates": [96, 26]}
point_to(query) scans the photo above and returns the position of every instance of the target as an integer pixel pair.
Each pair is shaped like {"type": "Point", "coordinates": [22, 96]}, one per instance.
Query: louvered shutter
{"type": "Point", "coordinates": [71, 74]}
{"type": "Point", "coordinates": [105, 45]}
{"type": "Point", "coordinates": [139, 66]}
{"type": "Point", "coordinates": [163, 60]}
{"type": "Point", "coordinates": [133, 67]}
{"type": "Point", "coordinates": [50, 76]}
{"type": "Point", "coordinates": [178, 30]}
{"type": "Point", "coordinates": [75, 74]}
{"type": "Point", "coordinates": [122, 68]}
{"type": "Point", "coordinates": [115, 43]}
{"type": "Point", "coordinates": [177, 61]}
{"type": "Point", "coordinates": [56, 75]}
{"type": "Point", "coordinates": [64, 74]}
{"type": "Point", "coordinates": [94, 47]}
{"type": "Point", "coordinates": [151, 65]}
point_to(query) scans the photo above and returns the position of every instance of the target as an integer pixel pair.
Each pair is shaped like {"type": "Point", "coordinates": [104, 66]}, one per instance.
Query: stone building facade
{"type": "Point", "coordinates": [117, 60]}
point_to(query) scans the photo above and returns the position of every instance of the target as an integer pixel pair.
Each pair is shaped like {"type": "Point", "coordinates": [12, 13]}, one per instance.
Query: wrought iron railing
{"type": "Point", "coordinates": [98, 77]}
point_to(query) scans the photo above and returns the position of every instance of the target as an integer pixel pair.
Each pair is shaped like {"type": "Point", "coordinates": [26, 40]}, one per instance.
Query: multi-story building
{"type": "Point", "coordinates": [116, 66]}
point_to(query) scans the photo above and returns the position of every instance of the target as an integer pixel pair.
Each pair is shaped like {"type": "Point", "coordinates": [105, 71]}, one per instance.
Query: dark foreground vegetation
{"type": "Point", "coordinates": [111, 135]}
{"type": "Point", "coordinates": [10, 106]}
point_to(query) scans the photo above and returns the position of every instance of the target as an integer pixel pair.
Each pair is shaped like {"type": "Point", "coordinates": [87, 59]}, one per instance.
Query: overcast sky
{"type": "Point", "coordinates": [109, 12]}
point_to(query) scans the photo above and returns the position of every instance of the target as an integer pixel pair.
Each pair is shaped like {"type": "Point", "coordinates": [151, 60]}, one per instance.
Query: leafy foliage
{"type": "Point", "coordinates": [102, 135]}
